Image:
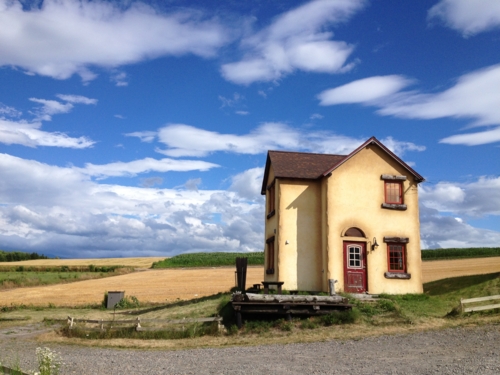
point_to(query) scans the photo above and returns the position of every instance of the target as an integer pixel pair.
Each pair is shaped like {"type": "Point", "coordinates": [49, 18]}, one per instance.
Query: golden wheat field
{"type": "Point", "coordinates": [168, 285]}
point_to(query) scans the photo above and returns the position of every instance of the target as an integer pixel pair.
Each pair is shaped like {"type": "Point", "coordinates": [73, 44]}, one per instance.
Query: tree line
{"type": "Point", "coordinates": [16, 256]}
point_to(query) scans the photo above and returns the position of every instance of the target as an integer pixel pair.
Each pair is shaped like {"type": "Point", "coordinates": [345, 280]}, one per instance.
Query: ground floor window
{"type": "Point", "coordinates": [396, 256]}
{"type": "Point", "coordinates": [270, 256]}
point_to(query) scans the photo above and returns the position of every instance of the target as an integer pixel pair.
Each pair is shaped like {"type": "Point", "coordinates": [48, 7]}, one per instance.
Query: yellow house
{"type": "Point", "coordinates": [351, 218]}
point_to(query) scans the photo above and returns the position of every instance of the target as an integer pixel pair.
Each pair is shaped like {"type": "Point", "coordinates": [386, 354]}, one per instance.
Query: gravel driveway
{"type": "Point", "coordinates": [451, 351]}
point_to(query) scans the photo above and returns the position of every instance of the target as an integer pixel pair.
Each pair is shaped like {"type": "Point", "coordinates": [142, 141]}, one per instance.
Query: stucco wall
{"type": "Point", "coordinates": [271, 228]}
{"type": "Point", "coordinates": [300, 228]}
{"type": "Point", "coordinates": [355, 193]}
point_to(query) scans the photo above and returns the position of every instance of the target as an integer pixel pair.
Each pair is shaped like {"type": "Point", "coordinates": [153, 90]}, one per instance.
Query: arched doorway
{"type": "Point", "coordinates": [355, 270]}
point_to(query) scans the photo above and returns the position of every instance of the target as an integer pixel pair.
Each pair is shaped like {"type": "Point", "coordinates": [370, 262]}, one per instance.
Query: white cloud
{"type": "Point", "coordinates": [468, 17]}
{"type": "Point", "coordinates": [474, 96]}
{"type": "Point", "coordinates": [248, 183]}
{"type": "Point", "coordinates": [29, 134]}
{"type": "Point", "coordinates": [185, 140]}
{"type": "Point", "coordinates": [49, 108]}
{"type": "Point", "coordinates": [120, 79]}
{"type": "Point", "coordinates": [296, 40]}
{"type": "Point", "coordinates": [231, 102]}
{"type": "Point", "coordinates": [242, 113]}
{"type": "Point", "coordinates": [474, 199]}
{"type": "Point", "coordinates": [136, 167]}
{"type": "Point", "coordinates": [6, 111]}
{"type": "Point", "coordinates": [438, 231]}
{"type": "Point", "coordinates": [53, 107]}
{"type": "Point", "coordinates": [192, 184]}
{"type": "Point", "coordinates": [144, 136]}
{"type": "Point", "coordinates": [316, 116]}
{"type": "Point", "coordinates": [77, 99]}
{"type": "Point", "coordinates": [365, 90]}
{"type": "Point", "coordinates": [46, 207]}
{"type": "Point", "coordinates": [474, 139]}
{"type": "Point", "coordinates": [63, 38]}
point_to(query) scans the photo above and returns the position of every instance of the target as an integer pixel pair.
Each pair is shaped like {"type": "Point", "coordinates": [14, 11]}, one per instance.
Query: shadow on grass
{"type": "Point", "coordinates": [439, 287]}
{"type": "Point", "coordinates": [175, 304]}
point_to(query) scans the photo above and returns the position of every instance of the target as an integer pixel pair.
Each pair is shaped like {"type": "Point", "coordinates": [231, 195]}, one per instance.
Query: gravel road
{"type": "Point", "coordinates": [451, 351]}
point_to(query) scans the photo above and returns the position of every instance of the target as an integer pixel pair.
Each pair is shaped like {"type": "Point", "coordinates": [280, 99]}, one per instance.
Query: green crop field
{"type": "Point", "coordinates": [209, 260]}
{"type": "Point", "coordinates": [475, 252]}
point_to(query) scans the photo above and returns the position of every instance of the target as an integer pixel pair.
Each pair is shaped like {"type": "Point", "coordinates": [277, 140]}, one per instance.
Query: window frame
{"type": "Point", "coordinates": [271, 199]}
{"type": "Point", "coordinates": [270, 253]}
{"type": "Point", "coordinates": [403, 257]}
{"type": "Point", "coordinates": [387, 183]}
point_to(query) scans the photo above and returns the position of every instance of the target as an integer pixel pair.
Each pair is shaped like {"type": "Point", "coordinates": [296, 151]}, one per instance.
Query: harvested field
{"type": "Point", "coordinates": [168, 285]}
{"type": "Point", "coordinates": [443, 269]}
{"type": "Point", "coordinates": [144, 262]}
{"type": "Point", "coordinates": [148, 286]}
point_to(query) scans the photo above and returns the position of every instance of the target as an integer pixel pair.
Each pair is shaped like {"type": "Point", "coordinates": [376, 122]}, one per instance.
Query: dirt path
{"type": "Point", "coordinates": [452, 351]}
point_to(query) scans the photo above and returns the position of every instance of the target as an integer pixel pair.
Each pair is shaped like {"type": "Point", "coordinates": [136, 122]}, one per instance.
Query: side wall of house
{"type": "Point", "coordinates": [300, 245]}
{"type": "Point", "coordinates": [354, 195]}
{"type": "Point", "coordinates": [271, 229]}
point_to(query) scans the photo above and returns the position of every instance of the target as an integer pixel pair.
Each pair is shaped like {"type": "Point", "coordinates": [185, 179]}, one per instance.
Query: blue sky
{"type": "Point", "coordinates": [141, 128]}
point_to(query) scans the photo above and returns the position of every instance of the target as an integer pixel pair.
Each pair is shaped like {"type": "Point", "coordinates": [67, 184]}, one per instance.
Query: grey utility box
{"type": "Point", "coordinates": [113, 298]}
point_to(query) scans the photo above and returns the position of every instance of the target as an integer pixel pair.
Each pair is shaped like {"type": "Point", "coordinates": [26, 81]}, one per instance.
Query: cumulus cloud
{"type": "Point", "coordinates": [185, 140]}
{"type": "Point", "coordinates": [29, 134]}
{"type": "Point", "coordinates": [474, 199]}
{"type": "Point", "coordinates": [438, 231]}
{"type": "Point", "coordinates": [467, 17]}
{"type": "Point", "coordinates": [192, 184]}
{"type": "Point", "coordinates": [248, 183]}
{"type": "Point", "coordinates": [69, 211]}
{"type": "Point", "coordinates": [62, 38]}
{"type": "Point", "coordinates": [296, 40]}
{"type": "Point", "coordinates": [136, 167]}
{"type": "Point", "coordinates": [475, 96]}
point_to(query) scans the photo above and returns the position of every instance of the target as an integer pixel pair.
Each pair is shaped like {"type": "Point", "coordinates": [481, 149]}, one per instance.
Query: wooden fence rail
{"type": "Point", "coordinates": [137, 322]}
{"type": "Point", "coordinates": [464, 301]}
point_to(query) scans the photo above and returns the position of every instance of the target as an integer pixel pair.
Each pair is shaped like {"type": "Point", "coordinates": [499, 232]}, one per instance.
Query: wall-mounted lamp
{"type": "Point", "coordinates": [374, 244]}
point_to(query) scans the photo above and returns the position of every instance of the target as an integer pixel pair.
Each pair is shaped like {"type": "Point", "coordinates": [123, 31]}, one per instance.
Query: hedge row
{"type": "Point", "coordinates": [209, 260]}
{"type": "Point", "coordinates": [90, 268]}
{"type": "Point", "coordinates": [474, 252]}
{"type": "Point", "coordinates": [16, 256]}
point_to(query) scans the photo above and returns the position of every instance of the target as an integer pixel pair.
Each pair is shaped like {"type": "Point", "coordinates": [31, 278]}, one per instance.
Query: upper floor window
{"type": "Point", "coordinates": [393, 192]}
{"type": "Point", "coordinates": [271, 198]}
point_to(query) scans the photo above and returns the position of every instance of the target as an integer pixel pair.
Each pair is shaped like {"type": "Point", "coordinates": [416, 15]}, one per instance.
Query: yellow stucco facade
{"type": "Point", "coordinates": [312, 215]}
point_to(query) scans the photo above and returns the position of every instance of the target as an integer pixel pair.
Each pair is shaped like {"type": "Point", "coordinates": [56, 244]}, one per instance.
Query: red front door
{"type": "Point", "coordinates": [355, 267]}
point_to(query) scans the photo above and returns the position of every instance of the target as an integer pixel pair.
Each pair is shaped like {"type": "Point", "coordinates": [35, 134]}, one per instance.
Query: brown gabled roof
{"type": "Point", "coordinates": [303, 165]}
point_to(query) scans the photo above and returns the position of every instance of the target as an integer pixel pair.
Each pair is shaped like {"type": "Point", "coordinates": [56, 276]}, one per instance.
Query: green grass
{"type": "Point", "coordinates": [452, 253]}
{"type": "Point", "coordinates": [209, 260]}
{"type": "Point", "coordinates": [18, 279]}
{"type": "Point", "coordinates": [441, 297]}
